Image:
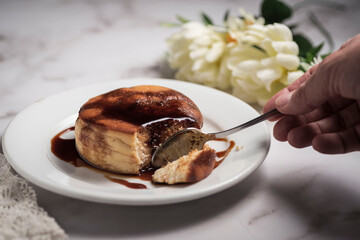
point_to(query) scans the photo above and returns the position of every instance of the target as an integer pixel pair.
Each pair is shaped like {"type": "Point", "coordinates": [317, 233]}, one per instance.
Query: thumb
{"type": "Point", "coordinates": [311, 94]}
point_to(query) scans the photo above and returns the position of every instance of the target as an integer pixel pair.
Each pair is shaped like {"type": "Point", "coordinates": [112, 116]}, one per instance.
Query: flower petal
{"type": "Point", "coordinates": [293, 76]}
{"type": "Point", "coordinates": [279, 32]}
{"type": "Point", "coordinates": [267, 46]}
{"type": "Point", "coordinates": [215, 52]}
{"type": "Point", "coordinates": [268, 75]}
{"type": "Point", "coordinates": [290, 62]}
{"type": "Point", "coordinates": [198, 53]}
{"type": "Point", "coordinates": [288, 47]}
{"type": "Point", "coordinates": [269, 62]}
{"type": "Point", "coordinates": [198, 64]}
{"type": "Point", "coordinates": [193, 29]}
{"type": "Point", "coordinates": [249, 65]}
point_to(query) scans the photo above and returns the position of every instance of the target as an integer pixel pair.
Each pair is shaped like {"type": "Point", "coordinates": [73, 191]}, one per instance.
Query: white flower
{"type": "Point", "coordinates": [246, 57]}
{"type": "Point", "coordinates": [264, 60]}
{"type": "Point", "coordinates": [196, 52]}
{"type": "Point", "coordinates": [315, 61]}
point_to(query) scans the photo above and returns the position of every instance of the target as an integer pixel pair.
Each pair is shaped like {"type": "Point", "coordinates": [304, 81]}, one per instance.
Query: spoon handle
{"type": "Point", "coordinates": [270, 114]}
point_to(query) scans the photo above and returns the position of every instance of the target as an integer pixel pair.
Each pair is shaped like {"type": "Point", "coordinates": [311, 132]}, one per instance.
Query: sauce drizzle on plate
{"type": "Point", "coordinates": [65, 149]}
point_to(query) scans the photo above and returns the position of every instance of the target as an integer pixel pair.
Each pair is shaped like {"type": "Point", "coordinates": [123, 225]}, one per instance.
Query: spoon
{"type": "Point", "coordinates": [184, 141]}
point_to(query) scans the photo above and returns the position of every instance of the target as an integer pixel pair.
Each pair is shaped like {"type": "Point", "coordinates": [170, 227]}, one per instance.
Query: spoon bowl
{"type": "Point", "coordinates": [184, 141]}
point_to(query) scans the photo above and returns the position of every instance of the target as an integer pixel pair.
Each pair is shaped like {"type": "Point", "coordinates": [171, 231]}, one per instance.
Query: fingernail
{"type": "Point", "coordinates": [282, 100]}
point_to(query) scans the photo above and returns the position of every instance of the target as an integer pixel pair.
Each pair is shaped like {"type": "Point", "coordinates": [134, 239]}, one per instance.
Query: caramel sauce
{"type": "Point", "coordinates": [65, 149]}
{"type": "Point", "coordinates": [146, 174]}
{"type": "Point", "coordinates": [126, 183]}
{"type": "Point", "coordinates": [138, 107]}
{"type": "Point", "coordinates": [225, 153]}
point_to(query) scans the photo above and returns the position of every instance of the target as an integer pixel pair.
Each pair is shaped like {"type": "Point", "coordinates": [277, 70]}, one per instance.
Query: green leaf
{"type": "Point", "coordinates": [206, 19]}
{"type": "Point", "coordinates": [182, 19]}
{"type": "Point", "coordinates": [303, 43]}
{"type": "Point", "coordinates": [309, 57]}
{"type": "Point", "coordinates": [226, 15]}
{"type": "Point", "coordinates": [325, 55]}
{"type": "Point", "coordinates": [312, 53]}
{"type": "Point", "coordinates": [275, 11]}
{"type": "Point", "coordinates": [317, 49]}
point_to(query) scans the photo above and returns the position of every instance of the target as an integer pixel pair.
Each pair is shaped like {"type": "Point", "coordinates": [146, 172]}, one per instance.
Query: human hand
{"type": "Point", "coordinates": [322, 108]}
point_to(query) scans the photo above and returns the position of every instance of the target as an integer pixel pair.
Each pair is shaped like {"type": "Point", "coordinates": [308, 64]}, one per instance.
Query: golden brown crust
{"type": "Point", "coordinates": [193, 167]}
{"type": "Point", "coordinates": [127, 109]}
{"type": "Point", "coordinates": [202, 166]}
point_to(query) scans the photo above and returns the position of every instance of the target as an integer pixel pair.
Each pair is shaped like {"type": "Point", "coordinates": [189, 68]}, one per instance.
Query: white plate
{"type": "Point", "coordinates": [26, 144]}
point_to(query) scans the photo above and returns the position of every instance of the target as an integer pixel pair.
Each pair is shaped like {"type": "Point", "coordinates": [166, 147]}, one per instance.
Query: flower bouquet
{"type": "Point", "coordinates": [250, 57]}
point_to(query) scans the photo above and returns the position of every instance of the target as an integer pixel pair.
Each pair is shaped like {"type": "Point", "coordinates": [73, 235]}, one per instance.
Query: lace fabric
{"type": "Point", "coordinates": [20, 216]}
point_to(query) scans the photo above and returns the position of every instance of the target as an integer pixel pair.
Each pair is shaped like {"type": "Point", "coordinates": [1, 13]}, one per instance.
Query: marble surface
{"type": "Point", "coordinates": [50, 46]}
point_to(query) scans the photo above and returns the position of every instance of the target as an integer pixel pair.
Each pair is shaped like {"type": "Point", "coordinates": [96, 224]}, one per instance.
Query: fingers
{"type": "Point", "coordinates": [319, 126]}
{"type": "Point", "coordinates": [285, 125]}
{"type": "Point", "coordinates": [289, 122]}
{"type": "Point", "coordinates": [302, 137]}
{"type": "Point", "coordinates": [296, 129]}
{"type": "Point", "coordinates": [342, 142]}
{"type": "Point", "coordinates": [308, 96]}
{"type": "Point", "coordinates": [288, 90]}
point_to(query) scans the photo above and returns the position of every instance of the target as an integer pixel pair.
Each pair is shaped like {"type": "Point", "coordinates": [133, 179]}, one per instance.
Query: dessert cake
{"type": "Point", "coordinates": [118, 131]}
{"type": "Point", "coordinates": [193, 167]}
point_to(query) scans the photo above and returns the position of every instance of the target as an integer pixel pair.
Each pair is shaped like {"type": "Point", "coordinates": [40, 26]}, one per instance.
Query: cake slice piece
{"type": "Point", "coordinates": [195, 166]}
